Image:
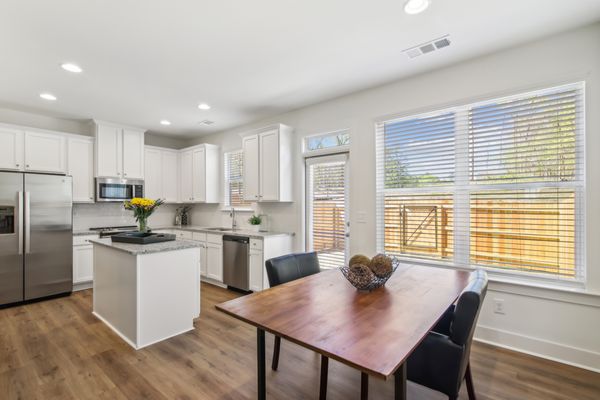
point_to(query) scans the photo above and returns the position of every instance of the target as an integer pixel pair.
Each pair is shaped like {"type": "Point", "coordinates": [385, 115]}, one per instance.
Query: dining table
{"type": "Point", "coordinates": [374, 332]}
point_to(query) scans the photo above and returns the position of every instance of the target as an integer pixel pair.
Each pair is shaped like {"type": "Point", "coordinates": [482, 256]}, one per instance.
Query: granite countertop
{"type": "Point", "coordinates": [140, 249]}
{"type": "Point", "coordinates": [237, 232]}
{"type": "Point", "coordinates": [84, 232]}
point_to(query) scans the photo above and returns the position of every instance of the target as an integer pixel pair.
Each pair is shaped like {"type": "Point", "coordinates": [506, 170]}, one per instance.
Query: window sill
{"type": "Point", "coordinates": [569, 292]}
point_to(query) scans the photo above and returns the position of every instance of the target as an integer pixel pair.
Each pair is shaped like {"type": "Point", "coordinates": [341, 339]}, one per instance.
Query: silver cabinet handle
{"type": "Point", "coordinates": [20, 195]}
{"type": "Point", "coordinates": [17, 165]}
{"type": "Point", "coordinates": [27, 223]}
{"type": "Point", "coordinates": [27, 165]}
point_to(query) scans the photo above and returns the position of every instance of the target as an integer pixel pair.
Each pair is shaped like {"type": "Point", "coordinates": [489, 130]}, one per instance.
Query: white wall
{"type": "Point", "coordinates": [551, 323]}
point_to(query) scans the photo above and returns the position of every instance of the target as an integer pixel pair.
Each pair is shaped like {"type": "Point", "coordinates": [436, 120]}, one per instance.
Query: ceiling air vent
{"type": "Point", "coordinates": [206, 122]}
{"type": "Point", "coordinates": [428, 47]}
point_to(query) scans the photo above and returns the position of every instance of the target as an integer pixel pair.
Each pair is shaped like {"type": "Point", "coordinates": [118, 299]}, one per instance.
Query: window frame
{"type": "Point", "coordinates": [345, 148]}
{"type": "Point", "coordinates": [462, 186]}
{"type": "Point", "coordinates": [226, 184]}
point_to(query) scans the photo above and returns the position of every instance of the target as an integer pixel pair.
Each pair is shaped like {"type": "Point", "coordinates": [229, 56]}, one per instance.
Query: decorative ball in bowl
{"type": "Point", "coordinates": [366, 273]}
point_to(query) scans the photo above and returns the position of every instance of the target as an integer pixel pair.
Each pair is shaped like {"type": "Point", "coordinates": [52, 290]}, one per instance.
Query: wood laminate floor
{"type": "Point", "coordinates": [56, 349]}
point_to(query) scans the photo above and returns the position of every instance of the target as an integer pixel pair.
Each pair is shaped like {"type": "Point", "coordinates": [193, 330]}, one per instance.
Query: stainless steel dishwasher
{"type": "Point", "coordinates": [235, 262]}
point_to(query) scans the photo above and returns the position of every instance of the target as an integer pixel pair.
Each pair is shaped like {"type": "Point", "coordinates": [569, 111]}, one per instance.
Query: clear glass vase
{"type": "Point", "coordinates": [143, 225]}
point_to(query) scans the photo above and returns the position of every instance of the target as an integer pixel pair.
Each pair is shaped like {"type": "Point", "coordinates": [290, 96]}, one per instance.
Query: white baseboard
{"type": "Point", "coordinates": [82, 286]}
{"type": "Point", "coordinates": [561, 353]}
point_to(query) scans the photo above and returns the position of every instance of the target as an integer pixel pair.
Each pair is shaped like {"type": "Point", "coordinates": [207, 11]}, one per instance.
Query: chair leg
{"type": "Point", "coordinates": [276, 349]}
{"type": "Point", "coordinates": [469, 378]}
{"type": "Point", "coordinates": [364, 386]}
{"type": "Point", "coordinates": [324, 371]}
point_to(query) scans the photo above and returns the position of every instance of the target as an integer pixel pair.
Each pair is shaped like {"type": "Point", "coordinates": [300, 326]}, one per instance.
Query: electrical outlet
{"type": "Point", "coordinates": [361, 217]}
{"type": "Point", "coordinates": [499, 306]}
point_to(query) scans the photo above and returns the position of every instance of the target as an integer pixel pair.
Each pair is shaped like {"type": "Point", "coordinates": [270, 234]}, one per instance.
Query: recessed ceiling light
{"type": "Point", "coordinates": [165, 122]}
{"type": "Point", "coordinates": [71, 67]}
{"type": "Point", "coordinates": [203, 106]}
{"type": "Point", "coordinates": [416, 6]}
{"type": "Point", "coordinates": [48, 96]}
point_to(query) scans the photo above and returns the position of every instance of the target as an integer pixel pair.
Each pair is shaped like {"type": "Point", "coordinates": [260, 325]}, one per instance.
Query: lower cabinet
{"type": "Point", "coordinates": [214, 261]}
{"type": "Point", "coordinates": [83, 260]}
{"type": "Point", "coordinates": [256, 266]}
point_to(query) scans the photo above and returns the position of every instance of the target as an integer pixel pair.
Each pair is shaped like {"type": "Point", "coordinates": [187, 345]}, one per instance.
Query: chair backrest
{"type": "Point", "coordinates": [290, 267]}
{"type": "Point", "coordinates": [467, 309]}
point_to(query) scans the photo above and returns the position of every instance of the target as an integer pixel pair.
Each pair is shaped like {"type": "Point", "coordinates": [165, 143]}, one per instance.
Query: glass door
{"type": "Point", "coordinates": [327, 213]}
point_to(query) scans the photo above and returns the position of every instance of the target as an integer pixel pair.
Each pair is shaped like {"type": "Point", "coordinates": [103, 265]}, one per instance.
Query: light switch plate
{"type": "Point", "coordinates": [361, 217]}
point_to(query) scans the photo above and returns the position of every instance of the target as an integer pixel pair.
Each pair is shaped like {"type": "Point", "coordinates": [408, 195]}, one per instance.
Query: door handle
{"type": "Point", "coordinates": [27, 223]}
{"type": "Point", "coordinates": [20, 216]}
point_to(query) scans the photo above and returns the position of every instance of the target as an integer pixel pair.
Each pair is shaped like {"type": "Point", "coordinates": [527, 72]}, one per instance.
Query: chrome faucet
{"type": "Point", "coordinates": [233, 221]}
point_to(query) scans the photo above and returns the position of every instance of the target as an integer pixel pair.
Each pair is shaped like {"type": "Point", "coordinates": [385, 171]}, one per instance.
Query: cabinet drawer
{"type": "Point", "coordinates": [214, 238]}
{"type": "Point", "coordinates": [83, 239]}
{"type": "Point", "coordinates": [256, 244]}
{"type": "Point", "coordinates": [184, 234]}
{"type": "Point", "coordinates": [199, 236]}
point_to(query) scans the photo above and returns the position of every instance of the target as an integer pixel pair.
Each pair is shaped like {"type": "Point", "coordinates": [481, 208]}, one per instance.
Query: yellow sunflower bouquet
{"type": "Point", "coordinates": [142, 209]}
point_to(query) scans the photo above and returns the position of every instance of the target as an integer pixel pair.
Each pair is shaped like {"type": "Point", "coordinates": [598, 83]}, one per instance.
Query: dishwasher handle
{"type": "Point", "coordinates": [239, 239]}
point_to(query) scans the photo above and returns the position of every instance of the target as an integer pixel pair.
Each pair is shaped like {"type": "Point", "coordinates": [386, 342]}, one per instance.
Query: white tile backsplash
{"type": "Point", "coordinates": [87, 216]}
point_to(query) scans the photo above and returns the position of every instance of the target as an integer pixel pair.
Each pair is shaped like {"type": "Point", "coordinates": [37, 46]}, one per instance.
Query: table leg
{"type": "Point", "coordinates": [260, 350]}
{"type": "Point", "coordinates": [364, 386]}
{"type": "Point", "coordinates": [400, 383]}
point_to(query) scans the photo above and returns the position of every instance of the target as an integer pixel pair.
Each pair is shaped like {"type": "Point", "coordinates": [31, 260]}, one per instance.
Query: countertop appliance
{"type": "Point", "coordinates": [235, 262]}
{"type": "Point", "coordinates": [110, 189]}
{"type": "Point", "coordinates": [36, 236]}
{"type": "Point", "coordinates": [107, 231]}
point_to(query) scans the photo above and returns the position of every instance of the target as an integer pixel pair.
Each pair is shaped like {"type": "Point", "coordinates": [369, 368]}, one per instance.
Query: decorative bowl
{"type": "Point", "coordinates": [374, 282]}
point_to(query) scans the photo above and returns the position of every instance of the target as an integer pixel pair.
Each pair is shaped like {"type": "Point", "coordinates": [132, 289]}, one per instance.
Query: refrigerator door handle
{"type": "Point", "coordinates": [20, 216]}
{"type": "Point", "coordinates": [27, 223]}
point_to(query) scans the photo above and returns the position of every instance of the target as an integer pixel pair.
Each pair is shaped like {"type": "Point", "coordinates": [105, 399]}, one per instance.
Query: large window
{"type": "Point", "coordinates": [234, 182]}
{"type": "Point", "coordinates": [497, 184]}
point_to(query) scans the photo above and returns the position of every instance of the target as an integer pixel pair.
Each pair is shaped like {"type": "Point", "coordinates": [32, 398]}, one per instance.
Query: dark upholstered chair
{"type": "Point", "coordinates": [441, 361]}
{"type": "Point", "coordinates": [286, 269]}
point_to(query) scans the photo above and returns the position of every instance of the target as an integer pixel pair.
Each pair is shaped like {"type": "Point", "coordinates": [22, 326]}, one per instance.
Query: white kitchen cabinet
{"type": "Point", "coordinates": [83, 261]}
{"type": "Point", "coordinates": [45, 152]}
{"type": "Point", "coordinates": [80, 165]}
{"type": "Point", "coordinates": [12, 152]}
{"type": "Point", "coordinates": [133, 154]}
{"type": "Point", "coordinates": [119, 152]}
{"type": "Point", "coordinates": [200, 176]}
{"type": "Point", "coordinates": [214, 261]}
{"type": "Point", "coordinates": [201, 238]}
{"type": "Point", "coordinates": [170, 176]}
{"type": "Point", "coordinates": [153, 173]}
{"type": "Point", "coordinates": [251, 167]}
{"type": "Point", "coordinates": [186, 176]}
{"type": "Point", "coordinates": [267, 164]}
{"type": "Point", "coordinates": [256, 266]}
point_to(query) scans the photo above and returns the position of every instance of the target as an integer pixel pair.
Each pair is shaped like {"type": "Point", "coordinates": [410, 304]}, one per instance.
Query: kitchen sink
{"type": "Point", "coordinates": [219, 229]}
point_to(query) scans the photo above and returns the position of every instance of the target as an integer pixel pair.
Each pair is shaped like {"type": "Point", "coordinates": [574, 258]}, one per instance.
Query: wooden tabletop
{"type": "Point", "coordinates": [374, 332]}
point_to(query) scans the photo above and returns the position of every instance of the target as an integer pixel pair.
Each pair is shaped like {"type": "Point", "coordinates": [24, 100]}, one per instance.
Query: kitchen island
{"type": "Point", "coordinates": [147, 293]}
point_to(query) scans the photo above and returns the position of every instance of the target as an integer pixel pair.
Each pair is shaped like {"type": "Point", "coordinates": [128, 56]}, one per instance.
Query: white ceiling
{"type": "Point", "coordinates": [149, 60]}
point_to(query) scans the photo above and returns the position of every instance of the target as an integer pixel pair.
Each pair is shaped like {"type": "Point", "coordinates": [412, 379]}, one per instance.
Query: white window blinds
{"type": "Point", "coordinates": [497, 184]}
{"type": "Point", "coordinates": [234, 183]}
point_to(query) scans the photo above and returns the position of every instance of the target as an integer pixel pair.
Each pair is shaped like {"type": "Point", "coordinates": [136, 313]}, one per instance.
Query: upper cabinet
{"type": "Point", "coordinates": [161, 174]}
{"type": "Point", "coordinates": [12, 153]}
{"type": "Point", "coordinates": [80, 165]}
{"type": "Point", "coordinates": [200, 174]}
{"type": "Point", "coordinates": [267, 164]}
{"type": "Point", "coordinates": [34, 151]}
{"type": "Point", "coordinates": [119, 152]}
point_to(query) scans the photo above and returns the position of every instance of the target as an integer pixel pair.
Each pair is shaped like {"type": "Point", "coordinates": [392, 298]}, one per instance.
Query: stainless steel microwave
{"type": "Point", "coordinates": [111, 189]}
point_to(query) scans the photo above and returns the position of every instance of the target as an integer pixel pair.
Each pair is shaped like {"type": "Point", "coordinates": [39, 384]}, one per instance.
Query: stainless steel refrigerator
{"type": "Point", "coordinates": [36, 236]}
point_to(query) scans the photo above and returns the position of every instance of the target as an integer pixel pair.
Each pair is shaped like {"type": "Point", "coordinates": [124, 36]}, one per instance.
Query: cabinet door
{"type": "Point", "coordinates": [109, 152]}
{"type": "Point", "coordinates": [199, 175]}
{"type": "Point", "coordinates": [269, 166]}
{"type": "Point", "coordinates": [133, 154]}
{"type": "Point", "coordinates": [186, 176]}
{"type": "Point", "coordinates": [153, 174]}
{"type": "Point", "coordinates": [80, 164]}
{"type": "Point", "coordinates": [251, 167]}
{"type": "Point", "coordinates": [11, 149]}
{"type": "Point", "coordinates": [214, 261]}
{"type": "Point", "coordinates": [203, 260]}
{"type": "Point", "coordinates": [170, 185]}
{"type": "Point", "coordinates": [256, 270]}
{"type": "Point", "coordinates": [83, 264]}
{"type": "Point", "coordinates": [45, 152]}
